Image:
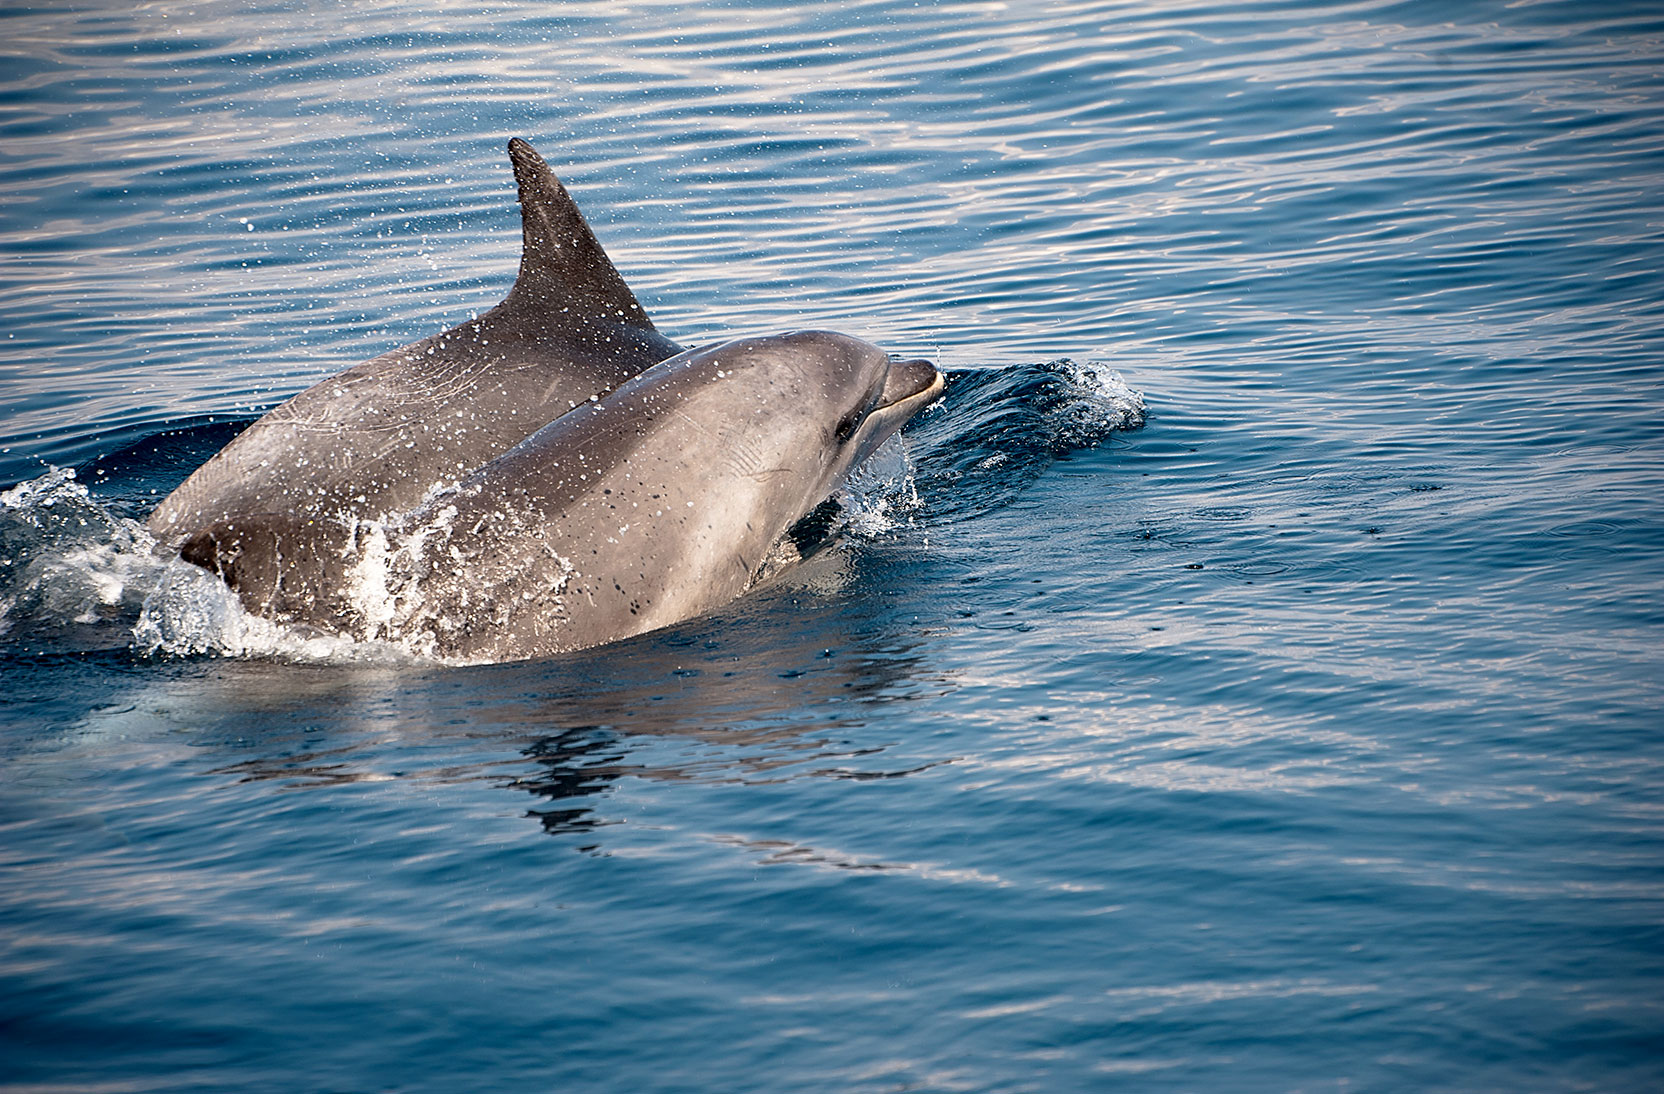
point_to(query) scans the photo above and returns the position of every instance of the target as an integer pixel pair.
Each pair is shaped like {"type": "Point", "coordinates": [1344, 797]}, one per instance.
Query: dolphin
{"type": "Point", "coordinates": [656, 503]}
{"type": "Point", "coordinates": [380, 436]}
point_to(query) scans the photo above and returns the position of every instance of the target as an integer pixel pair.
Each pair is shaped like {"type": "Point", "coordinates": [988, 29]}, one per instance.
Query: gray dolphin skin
{"type": "Point", "coordinates": [657, 502]}
{"type": "Point", "coordinates": [379, 437]}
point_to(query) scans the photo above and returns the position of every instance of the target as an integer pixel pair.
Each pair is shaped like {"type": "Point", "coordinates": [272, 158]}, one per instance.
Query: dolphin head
{"type": "Point", "coordinates": [816, 397]}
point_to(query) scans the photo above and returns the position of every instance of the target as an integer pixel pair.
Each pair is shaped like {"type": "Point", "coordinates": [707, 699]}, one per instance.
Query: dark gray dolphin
{"type": "Point", "coordinates": [659, 502]}
{"type": "Point", "coordinates": [380, 436]}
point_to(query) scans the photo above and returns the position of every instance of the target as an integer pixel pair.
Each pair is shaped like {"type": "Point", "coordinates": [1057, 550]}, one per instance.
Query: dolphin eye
{"type": "Point", "coordinates": [849, 423]}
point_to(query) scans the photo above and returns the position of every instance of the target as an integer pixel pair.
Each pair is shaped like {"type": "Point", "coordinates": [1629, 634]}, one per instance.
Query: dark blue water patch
{"type": "Point", "coordinates": [135, 465]}
{"type": "Point", "coordinates": [138, 465]}
{"type": "Point", "coordinates": [1001, 428]}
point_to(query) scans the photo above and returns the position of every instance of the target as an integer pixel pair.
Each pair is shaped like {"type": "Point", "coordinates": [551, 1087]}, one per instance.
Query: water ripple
{"type": "Point", "coordinates": [1306, 736]}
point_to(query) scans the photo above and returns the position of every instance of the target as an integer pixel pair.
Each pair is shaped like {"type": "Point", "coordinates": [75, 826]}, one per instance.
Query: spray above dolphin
{"type": "Point", "coordinates": [378, 437]}
{"type": "Point", "coordinates": [553, 475]}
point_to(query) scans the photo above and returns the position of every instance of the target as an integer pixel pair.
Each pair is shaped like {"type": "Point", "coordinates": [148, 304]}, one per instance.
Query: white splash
{"type": "Point", "coordinates": [881, 493]}
{"type": "Point", "coordinates": [1103, 403]}
{"type": "Point", "coordinates": [370, 581]}
{"type": "Point", "coordinates": [191, 612]}
{"type": "Point", "coordinates": [65, 559]}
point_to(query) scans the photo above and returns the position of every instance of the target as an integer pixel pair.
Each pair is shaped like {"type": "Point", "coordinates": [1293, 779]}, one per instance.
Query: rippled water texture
{"type": "Point", "coordinates": [1306, 737]}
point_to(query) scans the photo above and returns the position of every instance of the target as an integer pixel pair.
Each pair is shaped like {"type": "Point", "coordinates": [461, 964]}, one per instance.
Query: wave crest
{"type": "Point", "coordinates": [66, 562]}
{"type": "Point", "coordinates": [1001, 428]}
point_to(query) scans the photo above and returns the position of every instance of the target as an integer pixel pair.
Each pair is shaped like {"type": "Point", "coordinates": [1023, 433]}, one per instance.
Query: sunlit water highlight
{"type": "Point", "coordinates": [1306, 738]}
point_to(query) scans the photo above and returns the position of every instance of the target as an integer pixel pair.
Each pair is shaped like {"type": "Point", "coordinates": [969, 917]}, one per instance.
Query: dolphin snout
{"type": "Point", "coordinates": [908, 380]}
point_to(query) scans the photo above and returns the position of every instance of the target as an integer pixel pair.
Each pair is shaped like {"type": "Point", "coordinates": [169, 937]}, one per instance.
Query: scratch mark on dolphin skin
{"type": "Point", "coordinates": [682, 414]}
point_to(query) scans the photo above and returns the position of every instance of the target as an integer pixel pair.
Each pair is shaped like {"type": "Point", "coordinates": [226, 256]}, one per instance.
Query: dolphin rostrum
{"type": "Point", "coordinates": [658, 502]}
{"type": "Point", "coordinates": [380, 436]}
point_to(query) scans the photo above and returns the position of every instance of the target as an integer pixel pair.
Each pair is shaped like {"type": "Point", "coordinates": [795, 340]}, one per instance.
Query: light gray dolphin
{"type": "Point", "coordinates": [656, 503]}
{"type": "Point", "coordinates": [380, 436]}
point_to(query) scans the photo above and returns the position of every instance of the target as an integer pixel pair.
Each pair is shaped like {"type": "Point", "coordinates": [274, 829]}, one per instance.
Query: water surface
{"type": "Point", "coordinates": [1305, 737]}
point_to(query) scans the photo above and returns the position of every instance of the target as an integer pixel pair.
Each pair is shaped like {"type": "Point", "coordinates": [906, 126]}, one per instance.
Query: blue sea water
{"type": "Point", "coordinates": [1297, 726]}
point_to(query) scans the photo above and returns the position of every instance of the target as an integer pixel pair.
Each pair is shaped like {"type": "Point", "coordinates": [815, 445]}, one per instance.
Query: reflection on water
{"type": "Point", "coordinates": [772, 690]}
{"type": "Point", "coordinates": [572, 765]}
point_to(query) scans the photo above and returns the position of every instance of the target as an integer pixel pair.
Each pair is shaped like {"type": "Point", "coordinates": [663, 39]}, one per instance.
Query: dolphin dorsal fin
{"type": "Point", "coordinates": [561, 261]}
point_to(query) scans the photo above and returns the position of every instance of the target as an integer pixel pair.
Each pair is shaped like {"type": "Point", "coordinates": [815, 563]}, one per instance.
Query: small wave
{"type": "Point", "coordinates": [75, 574]}
{"type": "Point", "coordinates": [999, 429]}
{"type": "Point", "coordinates": [67, 563]}
{"type": "Point", "coordinates": [1096, 403]}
